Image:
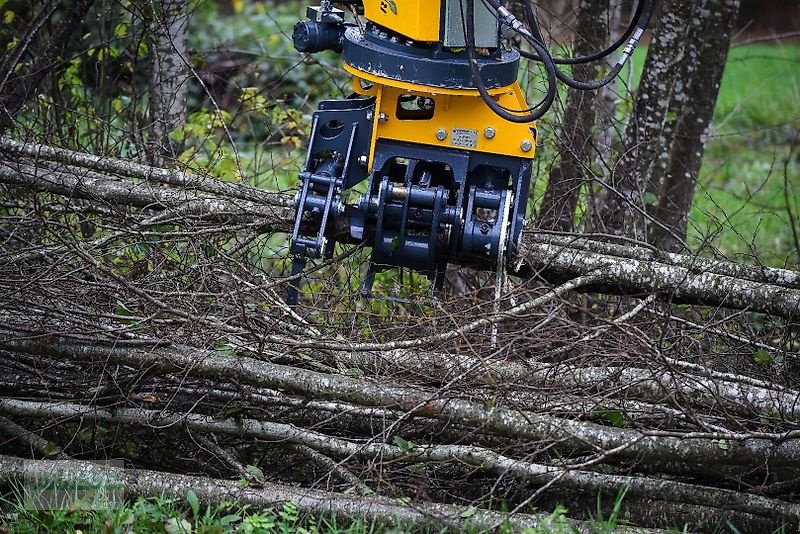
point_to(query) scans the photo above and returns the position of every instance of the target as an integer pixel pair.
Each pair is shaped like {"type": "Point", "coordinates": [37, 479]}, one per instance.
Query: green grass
{"type": "Point", "coordinates": [751, 174]}
{"type": "Point", "coordinates": [159, 515]}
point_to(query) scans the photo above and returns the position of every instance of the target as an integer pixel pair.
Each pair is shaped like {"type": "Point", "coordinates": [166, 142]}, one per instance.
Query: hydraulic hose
{"type": "Point", "coordinates": [633, 40]}
{"type": "Point", "coordinates": [533, 24]}
{"type": "Point", "coordinates": [531, 114]}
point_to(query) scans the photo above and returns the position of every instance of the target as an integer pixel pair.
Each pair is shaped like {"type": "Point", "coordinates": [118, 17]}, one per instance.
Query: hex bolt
{"type": "Point", "coordinates": [383, 117]}
{"type": "Point", "coordinates": [370, 115]}
{"type": "Point", "coordinates": [362, 160]}
{"type": "Point", "coordinates": [489, 132]}
{"type": "Point", "coordinates": [526, 145]}
{"type": "Point", "coordinates": [441, 134]}
{"type": "Point", "coordinates": [484, 228]}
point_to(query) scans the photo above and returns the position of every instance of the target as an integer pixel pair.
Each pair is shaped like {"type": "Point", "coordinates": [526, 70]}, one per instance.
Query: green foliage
{"type": "Point", "coordinates": [159, 515]}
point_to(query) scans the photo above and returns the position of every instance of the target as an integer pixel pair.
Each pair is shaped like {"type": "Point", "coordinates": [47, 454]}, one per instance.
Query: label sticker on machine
{"type": "Point", "coordinates": [464, 138]}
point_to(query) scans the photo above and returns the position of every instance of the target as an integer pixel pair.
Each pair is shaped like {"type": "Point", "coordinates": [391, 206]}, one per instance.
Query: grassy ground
{"type": "Point", "coordinates": [748, 196]}
{"type": "Point", "coordinates": [158, 515]}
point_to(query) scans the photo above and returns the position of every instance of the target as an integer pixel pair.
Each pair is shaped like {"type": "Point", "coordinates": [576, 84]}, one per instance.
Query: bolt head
{"type": "Point", "coordinates": [441, 134]}
{"type": "Point", "coordinates": [489, 132]}
{"type": "Point", "coordinates": [383, 117]}
{"type": "Point", "coordinates": [362, 160]}
{"type": "Point", "coordinates": [526, 145]}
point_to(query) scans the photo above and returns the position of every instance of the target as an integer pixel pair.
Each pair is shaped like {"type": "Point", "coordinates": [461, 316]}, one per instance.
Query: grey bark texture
{"type": "Point", "coordinates": [663, 492]}
{"type": "Point", "coordinates": [169, 77]}
{"type": "Point", "coordinates": [623, 210]}
{"type": "Point", "coordinates": [708, 57]}
{"type": "Point", "coordinates": [575, 138]}
{"type": "Point", "coordinates": [756, 450]}
{"type": "Point", "coordinates": [676, 278]}
{"type": "Point", "coordinates": [144, 483]}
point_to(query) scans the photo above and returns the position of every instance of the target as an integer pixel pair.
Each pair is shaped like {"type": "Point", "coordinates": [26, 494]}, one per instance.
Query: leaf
{"type": "Point", "coordinates": [255, 471]}
{"type": "Point", "coordinates": [121, 30]}
{"type": "Point", "coordinates": [615, 417]}
{"type": "Point", "coordinates": [722, 444]}
{"type": "Point", "coordinates": [229, 519]}
{"type": "Point", "coordinates": [122, 310]}
{"type": "Point", "coordinates": [51, 449]}
{"type": "Point", "coordinates": [242, 483]}
{"type": "Point", "coordinates": [8, 17]}
{"type": "Point", "coordinates": [173, 525]}
{"type": "Point", "coordinates": [650, 198]}
{"type": "Point", "coordinates": [404, 444]}
{"type": "Point", "coordinates": [763, 358]}
{"type": "Point", "coordinates": [469, 512]}
{"type": "Point", "coordinates": [194, 502]}
{"type": "Point", "coordinates": [238, 6]}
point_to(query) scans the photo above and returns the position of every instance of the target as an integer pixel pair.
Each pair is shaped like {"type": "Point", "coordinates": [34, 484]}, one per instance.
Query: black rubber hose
{"type": "Point", "coordinates": [531, 114]}
{"type": "Point", "coordinates": [534, 26]}
{"type": "Point", "coordinates": [544, 55]}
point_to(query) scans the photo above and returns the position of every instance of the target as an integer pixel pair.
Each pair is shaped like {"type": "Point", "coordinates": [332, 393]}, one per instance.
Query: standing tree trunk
{"type": "Point", "coordinates": [717, 18]}
{"type": "Point", "coordinates": [624, 211]}
{"type": "Point", "coordinates": [567, 178]}
{"type": "Point", "coordinates": [168, 78]}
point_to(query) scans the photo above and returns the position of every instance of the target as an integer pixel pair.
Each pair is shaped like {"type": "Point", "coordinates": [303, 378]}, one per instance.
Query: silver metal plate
{"type": "Point", "coordinates": [464, 138]}
{"type": "Point", "coordinates": [487, 29]}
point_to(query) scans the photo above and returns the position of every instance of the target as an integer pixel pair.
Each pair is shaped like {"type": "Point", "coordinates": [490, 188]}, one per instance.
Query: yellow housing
{"type": "Point", "coordinates": [418, 20]}
{"type": "Point", "coordinates": [460, 119]}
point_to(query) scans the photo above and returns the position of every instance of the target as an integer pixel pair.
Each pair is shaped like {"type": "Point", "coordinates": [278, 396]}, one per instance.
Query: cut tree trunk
{"type": "Point", "coordinates": [142, 483]}
{"type": "Point", "coordinates": [624, 270]}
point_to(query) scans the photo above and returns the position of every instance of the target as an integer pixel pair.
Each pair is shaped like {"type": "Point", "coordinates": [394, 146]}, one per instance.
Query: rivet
{"type": "Point", "coordinates": [489, 132]}
{"type": "Point", "coordinates": [526, 145]}
{"type": "Point", "coordinates": [441, 134]}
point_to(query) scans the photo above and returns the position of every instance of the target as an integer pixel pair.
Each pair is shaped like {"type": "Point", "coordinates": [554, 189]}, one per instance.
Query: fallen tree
{"type": "Point", "coordinates": [139, 482]}
{"type": "Point", "coordinates": [636, 269]}
{"type": "Point", "coordinates": [147, 303]}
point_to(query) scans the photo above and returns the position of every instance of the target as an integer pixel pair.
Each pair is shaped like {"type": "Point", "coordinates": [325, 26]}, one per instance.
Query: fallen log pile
{"type": "Point", "coordinates": [141, 316]}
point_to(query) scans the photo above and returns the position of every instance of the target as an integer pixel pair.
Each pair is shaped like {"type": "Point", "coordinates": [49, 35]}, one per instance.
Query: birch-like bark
{"type": "Point", "coordinates": [661, 491]}
{"type": "Point", "coordinates": [717, 18]}
{"type": "Point", "coordinates": [568, 177]}
{"type": "Point", "coordinates": [757, 450]}
{"type": "Point", "coordinates": [144, 483]}
{"type": "Point", "coordinates": [169, 78]}
{"type": "Point", "coordinates": [623, 210]}
{"type": "Point", "coordinates": [683, 279]}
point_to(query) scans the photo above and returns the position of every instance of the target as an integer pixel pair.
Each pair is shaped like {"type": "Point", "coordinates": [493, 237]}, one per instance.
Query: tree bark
{"type": "Point", "coordinates": [717, 19]}
{"type": "Point", "coordinates": [567, 178]}
{"type": "Point", "coordinates": [623, 210]}
{"type": "Point", "coordinates": [169, 77]}
{"type": "Point", "coordinates": [672, 277]}
{"type": "Point", "coordinates": [662, 492]}
{"type": "Point", "coordinates": [144, 483]}
{"type": "Point", "coordinates": [657, 447]}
